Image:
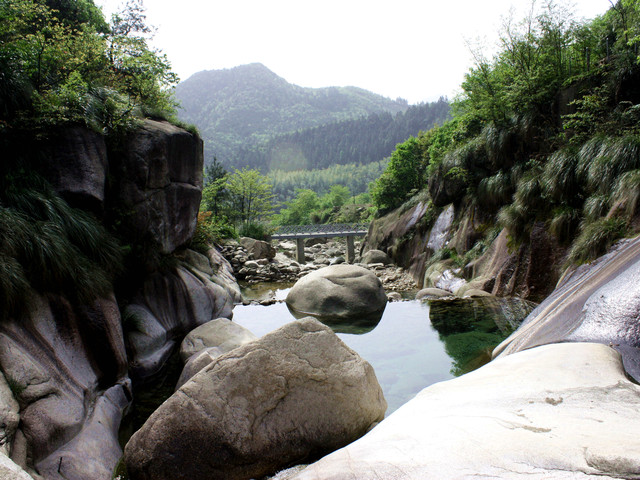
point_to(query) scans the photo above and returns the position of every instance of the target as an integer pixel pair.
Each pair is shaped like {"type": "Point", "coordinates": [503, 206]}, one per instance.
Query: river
{"type": "Point", "coordinates": [415, 344]}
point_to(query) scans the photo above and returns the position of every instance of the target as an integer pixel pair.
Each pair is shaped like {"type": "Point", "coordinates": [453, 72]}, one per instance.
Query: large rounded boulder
{"type": "Point", "coordinates": [294, 394]}
{"type": "Point", "coordinates": [338, 292]}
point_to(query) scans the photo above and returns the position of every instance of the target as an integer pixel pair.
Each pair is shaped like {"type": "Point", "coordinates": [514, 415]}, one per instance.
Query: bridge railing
{"type": "Point", "coordinates": [325, 230]}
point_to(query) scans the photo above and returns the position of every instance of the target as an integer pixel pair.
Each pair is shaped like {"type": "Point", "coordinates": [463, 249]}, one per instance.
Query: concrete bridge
{"type": "Point", "coordinates": [300, 232]}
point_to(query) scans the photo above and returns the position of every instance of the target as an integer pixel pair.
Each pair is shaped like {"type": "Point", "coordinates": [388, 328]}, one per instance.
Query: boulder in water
{"type": "Point", "coordinates": [293, 394]}
{"type": "Point", "coordinates": [338, 292]}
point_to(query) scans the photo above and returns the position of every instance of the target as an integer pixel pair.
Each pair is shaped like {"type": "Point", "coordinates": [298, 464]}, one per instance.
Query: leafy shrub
{"type": "Point", "coordinates": [210, 230]}
{"type": "Point", "coordinates": [259, 231]}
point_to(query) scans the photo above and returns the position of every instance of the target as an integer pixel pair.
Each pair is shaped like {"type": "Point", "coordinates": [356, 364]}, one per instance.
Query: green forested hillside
{"type": "Point", "coordinates": [546, 131]}
{"type": "Point", "coordinates": [239, 107]}
{"type": "Point", "coordinates": [359, 141]}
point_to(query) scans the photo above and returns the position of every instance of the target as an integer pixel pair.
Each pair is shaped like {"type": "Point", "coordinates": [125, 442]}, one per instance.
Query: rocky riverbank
{"type": "Point", "coordinates": [256, 262]}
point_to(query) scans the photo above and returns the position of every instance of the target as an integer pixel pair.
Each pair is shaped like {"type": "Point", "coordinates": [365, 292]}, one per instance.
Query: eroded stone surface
{"type": "Point", "coordinates": [597, 302]}
{"type": "Point", "coordinates": [564, 411]}
{"type": "Point", "coordinates": [294, 393]}
{"type": "Point", "coordinates": [67, 368]}
{"type": "Point", "coordinates": [168, 306]}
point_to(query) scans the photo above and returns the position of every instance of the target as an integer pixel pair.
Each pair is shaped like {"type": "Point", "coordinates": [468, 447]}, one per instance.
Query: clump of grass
{"type": "Point", "coordinates": [559, 179]}
{"type": "Point", "coordinates": [564, 223]}
{"type": "Point", "coordinates": [595, 239]}
{"type": "Point", "coordinates": [51, 247]}
{"type": "Point", "coordinates": [515, 220]}
{"type": "Point", "coordinates": [495, 190]}
{"type": "Point", "coordinates": [627, 192]}
{"type": "Point", "coordinates": [595, 207]}
{"type": "Point", "coordinates": [605, 159]}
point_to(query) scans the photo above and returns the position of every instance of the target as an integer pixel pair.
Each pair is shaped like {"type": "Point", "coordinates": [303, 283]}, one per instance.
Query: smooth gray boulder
{"type": "Point", "coordinates": [221, 333]}
{"type": "Point", "coordinates": [339, 292]}
{"type": "Point", "coordinates": [197, 362]}
{"type": "Point", "coordinates": [597, 302]}
{"type": "Point", "coordinates": [167, 307]}
{"type": "Point", "coordinates": [375, 256]}
{"type": "Point", "coordinates": [293, 394]}
{"type": "Point", "coordinates": [564, 411]}
{"type": "Point", "coordinates": [159, 185]}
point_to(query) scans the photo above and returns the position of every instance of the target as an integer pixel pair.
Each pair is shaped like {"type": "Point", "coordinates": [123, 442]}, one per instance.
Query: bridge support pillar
{"type": "Point", "coordinates": [300, 250]}
{"type": "Point", "coordinates": [351, 251]}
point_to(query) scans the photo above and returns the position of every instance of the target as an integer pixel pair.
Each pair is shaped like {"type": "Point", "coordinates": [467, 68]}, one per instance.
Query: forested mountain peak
{"type": "Point", "coordinates": [245, 105]}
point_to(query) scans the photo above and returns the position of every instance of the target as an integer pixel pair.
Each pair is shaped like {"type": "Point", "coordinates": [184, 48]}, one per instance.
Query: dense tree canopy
{"type": "Point", "coordinates": [61, 62]}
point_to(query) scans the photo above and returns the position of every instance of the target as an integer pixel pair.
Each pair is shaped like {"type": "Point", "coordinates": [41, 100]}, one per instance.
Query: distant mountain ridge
{"type": "Point", "coordinates": [358, 141]}
{"type": "Point", "coordinates": [247, 105]}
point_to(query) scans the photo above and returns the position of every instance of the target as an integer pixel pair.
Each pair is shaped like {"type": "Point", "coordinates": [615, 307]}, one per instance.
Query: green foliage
{"type": "Point", "coordinates": [257, 230]}
{"type": "Point", "coordinates": [354, 177]}
{"type": "Point", "coordinates": [211, 230]}
{"type": "Point", "coordinates": [251, 197]}
{"type": "Point", "coordinates": [301, 210]}
{"type": "Point", "coordinates": [50, 247]}
{"type": "Point", "coordinates": [404, 176]}
{"type": "Point", "coordinates": [59, 60]}
{"type": "Point", "coordinates": [336, 206]}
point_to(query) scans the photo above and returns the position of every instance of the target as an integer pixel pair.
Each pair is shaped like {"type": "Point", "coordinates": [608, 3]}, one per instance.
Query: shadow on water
{"type": "Point", "coordinates": [471, 328]}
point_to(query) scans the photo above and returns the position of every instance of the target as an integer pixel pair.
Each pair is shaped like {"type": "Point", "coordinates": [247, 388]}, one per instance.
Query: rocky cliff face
{"type": "Point", "coordinates": [417, 237]}
{"type": "Point", "coordinates": [66, 366]}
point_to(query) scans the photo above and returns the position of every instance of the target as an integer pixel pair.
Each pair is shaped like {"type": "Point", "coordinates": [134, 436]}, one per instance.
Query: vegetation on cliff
{"type": "Point", "coordinates": [547, 130]}
{"type": "Point", "coordinates": [62, 62]}
{"type": "Point", "coordinates": [63, 65]}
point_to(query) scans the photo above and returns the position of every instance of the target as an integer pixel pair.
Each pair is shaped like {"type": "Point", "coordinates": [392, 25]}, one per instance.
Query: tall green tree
{"type": "Point", "coordinates": [251, 196]}
{"type": "Point", "coordinates": [405, 174]}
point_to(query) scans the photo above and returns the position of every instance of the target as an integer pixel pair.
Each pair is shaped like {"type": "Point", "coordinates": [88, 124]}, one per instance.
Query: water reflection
{"type": "Point", "coordinates": [356, 325]}
{"type": "Point", "coordinates": [471, 328]}
{"type": "Point", "coordinates": [414, 344]}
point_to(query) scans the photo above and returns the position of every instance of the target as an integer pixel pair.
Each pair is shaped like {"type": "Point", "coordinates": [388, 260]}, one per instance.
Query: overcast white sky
{"type": "Point", "coordinates": [414, 49]}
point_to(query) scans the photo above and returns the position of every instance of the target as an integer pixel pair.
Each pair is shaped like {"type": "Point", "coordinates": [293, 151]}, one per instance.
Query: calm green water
{"type": "Point", "coordinates": [414, 344]}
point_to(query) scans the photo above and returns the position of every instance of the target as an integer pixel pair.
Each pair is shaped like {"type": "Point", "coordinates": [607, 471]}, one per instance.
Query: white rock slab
{"type": "Point", "coordinates": [562, 411]}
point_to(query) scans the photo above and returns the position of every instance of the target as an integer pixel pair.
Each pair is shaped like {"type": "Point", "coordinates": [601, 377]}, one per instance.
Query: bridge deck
{"type": "Point", "coordinates": [320, 231]}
